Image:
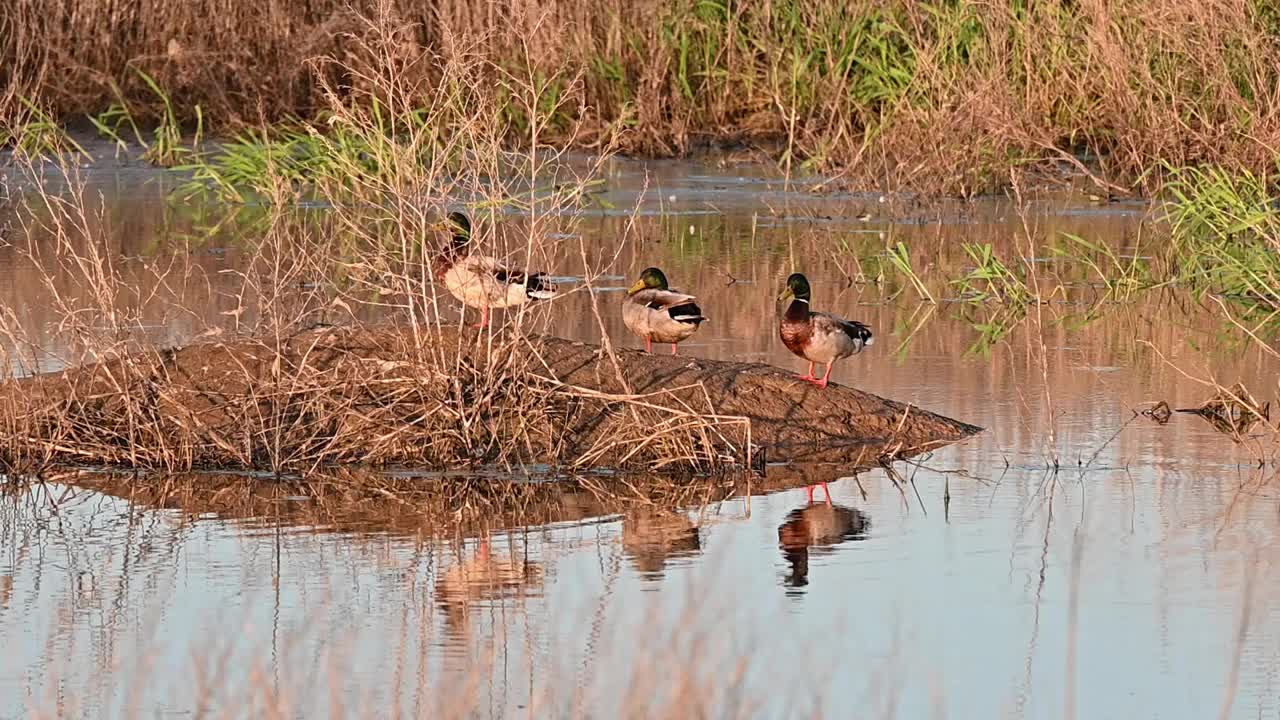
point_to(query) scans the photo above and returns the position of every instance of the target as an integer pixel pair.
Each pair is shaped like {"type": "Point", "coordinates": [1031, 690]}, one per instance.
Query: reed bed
{"type": "Point", "coordinates": [321, 399]}
{"type": "Point", "coordinates": [949, 96]}
{"type": "Point", "coordinates": [394, 142]}
{"type": "Point", "coordinates": [432, 395]}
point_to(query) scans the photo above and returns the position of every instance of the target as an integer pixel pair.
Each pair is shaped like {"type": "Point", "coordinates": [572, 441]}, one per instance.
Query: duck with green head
{"type": "Point", "coordinates": [655, 312]}
{"type": "Point", "coordinates": [816, 336]}
{"type": "Point", "coordinates": [481, 281]}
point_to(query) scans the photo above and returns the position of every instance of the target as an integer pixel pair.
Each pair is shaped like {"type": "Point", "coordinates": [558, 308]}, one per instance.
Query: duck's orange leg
{"type": "Point", "coordinates": [810, 377]}
{"type": "Point", "coordinates": [648, 345]}
{"type": "Point", "coordinates": [823, 382]}
{"type": "Point", "coordinates": [673, 348]}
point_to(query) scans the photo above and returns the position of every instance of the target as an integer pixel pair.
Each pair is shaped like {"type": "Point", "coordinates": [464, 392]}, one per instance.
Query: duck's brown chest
{"type": "Point", "coordinates": [440, 265]}
{"type": "Point", "coordinates": [795, 329]}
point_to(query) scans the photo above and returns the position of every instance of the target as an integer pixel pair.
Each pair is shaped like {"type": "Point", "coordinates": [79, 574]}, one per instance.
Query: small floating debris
{"type": "Point", "coordinates": [1160, 412]}
{"type": "Point", "coordinates": [1232, 411]}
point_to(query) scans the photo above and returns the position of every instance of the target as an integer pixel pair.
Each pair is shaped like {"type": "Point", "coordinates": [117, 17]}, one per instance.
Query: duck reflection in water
{"type": "Point", "coordinates": [484, 577]}
{"type": "Point", "coordinates": [651, 536]}
{"type": "Point", "coordinates": [819, 526]}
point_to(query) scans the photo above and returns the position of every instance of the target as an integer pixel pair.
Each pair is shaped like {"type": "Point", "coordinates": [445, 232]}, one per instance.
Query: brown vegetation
{"type": "Point", "coordinates": [950, 95]}
{"type": "Point", "coordinates": [271, 395]}
{"type": "Point", "coordinates": [379, 397]}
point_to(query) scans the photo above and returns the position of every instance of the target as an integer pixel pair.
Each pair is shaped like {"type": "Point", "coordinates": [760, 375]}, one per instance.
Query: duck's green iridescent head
{"type": "Point", "coordinates": [461, 227]}
{"type": "Point", "coordinates": [650, 279]}
{"type": "Point", "coordinates": [797, 287]}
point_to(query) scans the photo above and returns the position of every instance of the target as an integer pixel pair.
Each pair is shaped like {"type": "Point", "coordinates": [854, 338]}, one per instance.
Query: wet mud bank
{"type": "Point", "coordinates": [445, 398]}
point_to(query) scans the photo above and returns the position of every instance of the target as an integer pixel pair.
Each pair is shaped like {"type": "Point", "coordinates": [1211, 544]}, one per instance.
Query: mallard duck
{"type": "Point", "coordinates": [654, 311]}
{"type": "Point", "coordinates": [818, 526]}
{"type": "Point", "coordinates": [815, 336]}
{"type": "Point", "coordinates": [481, 281]}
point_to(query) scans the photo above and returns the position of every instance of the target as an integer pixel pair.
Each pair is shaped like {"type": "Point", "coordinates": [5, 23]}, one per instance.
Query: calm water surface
{"type": "Point", "coordinates": [1125, 585]}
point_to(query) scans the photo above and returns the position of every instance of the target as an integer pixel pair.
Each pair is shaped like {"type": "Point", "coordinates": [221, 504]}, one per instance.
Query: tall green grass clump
{"type": "Point", "coordinates": [166, 146]}
{"type": "Point", "coordinates": [1226, 233]}
{"type": "Point", "coordinates": [1122, 276]}
{"type": "Point", "coordinates": [302, 154]}
{"type": "Point", "coordinates": [991, 279]}
{"type": "Point", "coordinates": [31, 132]}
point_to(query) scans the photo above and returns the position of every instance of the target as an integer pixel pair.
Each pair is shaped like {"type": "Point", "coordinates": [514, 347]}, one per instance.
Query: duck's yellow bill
{"type": "Point", "coordinates": [786, 294]}
{"type": "Point", "coordinates": [636, 288]}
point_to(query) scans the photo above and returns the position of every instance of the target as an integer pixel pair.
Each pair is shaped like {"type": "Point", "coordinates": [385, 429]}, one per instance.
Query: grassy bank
{"type": "Point", "coordinates": [943, 95]}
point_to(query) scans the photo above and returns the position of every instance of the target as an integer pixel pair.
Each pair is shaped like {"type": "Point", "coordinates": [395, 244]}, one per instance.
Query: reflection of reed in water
{"type": "Point", "coordinates": [651, 536]}
{"type": "Point", "coordinates": [481, 578]}
{"type": "Point", "coordinates": [821, 526]}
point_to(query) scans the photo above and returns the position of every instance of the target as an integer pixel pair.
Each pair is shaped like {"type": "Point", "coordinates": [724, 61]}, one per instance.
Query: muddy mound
{"type": "Point", "coordinates": [444, 398]}
{"type": "Point", "coordinates": [791, 419]}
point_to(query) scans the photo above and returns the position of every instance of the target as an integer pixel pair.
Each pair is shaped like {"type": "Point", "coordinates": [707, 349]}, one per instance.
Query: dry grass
{"type": "Point", "coordinates": [336, 397]}
{"type": "Point", "coordinates": [429, 399]}
{"type": "Point", "coordinates": [937, 95]}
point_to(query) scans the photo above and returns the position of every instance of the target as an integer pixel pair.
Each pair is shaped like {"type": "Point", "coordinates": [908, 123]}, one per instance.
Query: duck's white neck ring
{"type": "Point", "coordinates": [796, 299]}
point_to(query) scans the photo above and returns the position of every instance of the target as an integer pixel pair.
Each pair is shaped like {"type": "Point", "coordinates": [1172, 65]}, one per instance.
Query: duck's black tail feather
{"type": "Point", "coordinates": [536, 286]}
{"type": "Point", "coordinates": [540, 287]}
{"type": "Point", "coordinates": [858, 332]}
{"type": "Point", "coordinates": [686, 313]}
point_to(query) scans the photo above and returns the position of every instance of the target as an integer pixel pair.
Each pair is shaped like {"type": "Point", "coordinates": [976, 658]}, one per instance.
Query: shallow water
{"type": "Point", "coordinates": [1124, 585]}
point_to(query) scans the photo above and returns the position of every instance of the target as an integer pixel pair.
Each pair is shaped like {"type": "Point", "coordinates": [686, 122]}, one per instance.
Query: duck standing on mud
{"type": "Point", "coordinates": [481, 281]}
{"type": "Point", "coordinates": [655, 312]}
{"type": "Point", "coordinates": [815, 336]}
